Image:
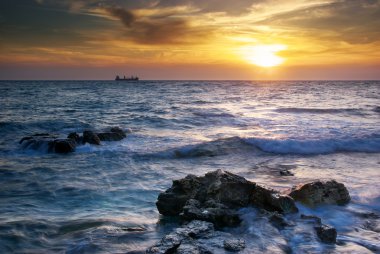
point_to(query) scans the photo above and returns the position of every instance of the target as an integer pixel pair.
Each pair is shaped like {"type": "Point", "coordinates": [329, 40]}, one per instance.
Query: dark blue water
{"type": "Point", "coordinates": [87, 201]}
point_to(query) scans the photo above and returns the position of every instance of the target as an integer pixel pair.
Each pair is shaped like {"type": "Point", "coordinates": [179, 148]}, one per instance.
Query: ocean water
{"type": "Point", "coordinates": [87, 201]}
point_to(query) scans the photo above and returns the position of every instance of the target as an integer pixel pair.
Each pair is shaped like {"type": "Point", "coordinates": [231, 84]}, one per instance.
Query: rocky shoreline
{"type": "Point", "coordinates": [209, 203]}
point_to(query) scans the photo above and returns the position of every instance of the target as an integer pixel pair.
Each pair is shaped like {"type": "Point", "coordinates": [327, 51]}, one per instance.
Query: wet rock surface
{"type": "Point", "coordinates": [321, 192]}
{"type": "Point", "coordinates": [234, 245]}
{"type": "Point", "coordinates": [196, 237]}
{"type": "Point", "coordinates": [216, 196]}
{"type": "Point", "coordinates": [53, 144]}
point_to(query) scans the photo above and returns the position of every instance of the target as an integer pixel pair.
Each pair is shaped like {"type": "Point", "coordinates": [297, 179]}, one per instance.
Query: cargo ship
{"type": "Point", "coordinates": [131, 78]}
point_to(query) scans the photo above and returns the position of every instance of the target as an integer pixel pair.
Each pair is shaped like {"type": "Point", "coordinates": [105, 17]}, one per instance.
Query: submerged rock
{"type": "Point", "coordinates": [216, 196]}
{"type": "Point", "coordinates": [63, 145]}
{"type": "Point", "coordinates": [326, 233]}
{"type": "Point", "coordinates": [286, 172]}
{"type": "Point", "coordinates": [321, 192]}
{"type": "Point", "coordinates": [49, 143]}
{"type": "Point", "coordinates": [114, 134]}
{"type": "Point", "coordinates": [91, 138]}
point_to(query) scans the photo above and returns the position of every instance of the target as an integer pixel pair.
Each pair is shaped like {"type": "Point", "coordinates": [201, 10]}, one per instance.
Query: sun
{"type": "Point", "coordinates": [264, 55]}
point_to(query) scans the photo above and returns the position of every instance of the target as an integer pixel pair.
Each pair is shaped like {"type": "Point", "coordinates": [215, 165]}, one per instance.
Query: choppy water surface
{"type": "Point", "coordinates": [87, 201]}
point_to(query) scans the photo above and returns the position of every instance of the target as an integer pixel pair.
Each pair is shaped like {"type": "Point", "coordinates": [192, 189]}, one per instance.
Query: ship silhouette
{"type": "Point", "coordinates": [131, 78]}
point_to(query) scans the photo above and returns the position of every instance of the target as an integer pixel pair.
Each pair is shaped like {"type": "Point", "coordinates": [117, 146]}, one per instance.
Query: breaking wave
{"type": "Point", "coordinates": [370, 144]}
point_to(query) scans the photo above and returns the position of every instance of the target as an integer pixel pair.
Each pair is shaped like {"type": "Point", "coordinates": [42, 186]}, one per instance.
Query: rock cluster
{"type": "Point", "coordinates": [216, 196]}
{"type": "Point", "coordinates": [214, 200]}
{"type": "Point", "coordinates": [54, 144]}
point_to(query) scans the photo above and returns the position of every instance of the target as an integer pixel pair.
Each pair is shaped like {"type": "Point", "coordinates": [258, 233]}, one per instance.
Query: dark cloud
{"type": "Point", "coordinates": [235, 7]}
{"type": "Point", "coordinates": [125, 16]}
{"type": "Point", "coordinates": [165, 29]}
{"type": "Point", "coordinates": [31, 23]}
{"type": "Point", "coordinates": [352, 21]}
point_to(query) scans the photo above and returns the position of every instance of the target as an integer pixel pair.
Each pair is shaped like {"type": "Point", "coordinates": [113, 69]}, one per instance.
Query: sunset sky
{"type": "Point", "coordinates": [190, 39]}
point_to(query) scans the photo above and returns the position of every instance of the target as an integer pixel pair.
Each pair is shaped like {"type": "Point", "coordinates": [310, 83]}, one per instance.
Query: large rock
{"type": "Point", "coordinates": [215, 194]}
{"type": "Point", "coordinates": [321, 192]}
{"type": "Point", "coordinates": [113, 134]}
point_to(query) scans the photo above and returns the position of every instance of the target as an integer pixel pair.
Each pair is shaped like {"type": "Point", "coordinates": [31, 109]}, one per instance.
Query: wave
{"type": "Point", "coordinates": [369, 144]}
{"type": "Point", "coordinates": [224, 146]}
{"type": "Point", "coordinates": [213, 148]}
{"type": "Point", "coordinates": [319, 110]}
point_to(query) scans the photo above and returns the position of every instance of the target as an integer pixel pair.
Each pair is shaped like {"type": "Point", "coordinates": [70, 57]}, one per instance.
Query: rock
{"type": "Point", "coordinates": [185, 237]}
{"type": "Point", "coordinates": [326, 233]}
{"type": "Point", "coordinates": [109, 136]}
{"type": "Point", "coordinates": [312, 218]}
{"type": "Point", "coordinates": [234, 245]}
{"type": "Point", "coordinates": [120, 131]}
{"type": "Point", "coordinates": [278, 221]}
{"type": "Point", "coordinates": [168, 244]}
{"type": "Point", "coordinates": [49, 143]}
{"type": "Point", "coordinates": [75, 136]}
{"type": "Point", "coordinates": [227, 190]}
{"type": "Point", "coordinates": [219, 214]}
{"type": "Point", "coordinates": [113, 134]}
{"type": "Point", "coordinates": [63, 145]}
{"type": "Point", "coordinates": [319, 192]}
{"type": "Point", "coordinates": [134, 229]}
{"type": "Point", "coordinates": [271, 200]}
{"type": "Point", "coordinates": [286, 172]}
{"type": "Point", "coordinates": [91, 138]}
{"type": "Point", "coordinates": [196, 229]}
{"type": "Point", "coordinates": [187, 248]}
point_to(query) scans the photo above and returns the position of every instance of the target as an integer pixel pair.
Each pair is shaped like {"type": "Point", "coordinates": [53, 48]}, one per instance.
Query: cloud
{"type": "Point", "coordinates": [352, 21]}
{"type": "Point", "coordinates": [159, 29]}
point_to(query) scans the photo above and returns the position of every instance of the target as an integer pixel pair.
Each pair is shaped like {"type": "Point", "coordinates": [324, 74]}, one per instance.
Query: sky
{"type": "Point", "coordinates": [190, 39]}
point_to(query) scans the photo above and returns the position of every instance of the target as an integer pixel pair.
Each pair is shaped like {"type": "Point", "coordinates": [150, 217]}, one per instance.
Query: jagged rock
{"type": "Point", "coordinates": [91, 138]}
{"type": "Point", "coordinates": [234, 245]}
{"type": "Point", "coordinates": [326, 233]}
{"type": "Point", "coordinates": [168, 244]}
{"type": "Point", "coordinates": [319, 192]}
{"type": "Point", "coordinates": [196, 229]}
{"type": "Point", "coordinates": [227, 190]}
{"type": "Point", "coordinates": [185, 237]}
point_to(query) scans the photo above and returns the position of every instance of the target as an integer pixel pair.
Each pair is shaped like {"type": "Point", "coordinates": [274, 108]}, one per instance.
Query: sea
{"type": "Point", "coordinates": [101, 199]}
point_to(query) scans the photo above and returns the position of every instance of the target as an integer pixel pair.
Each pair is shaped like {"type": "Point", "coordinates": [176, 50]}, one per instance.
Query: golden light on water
{"type": "Point", "coordinates": [264, 55]}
